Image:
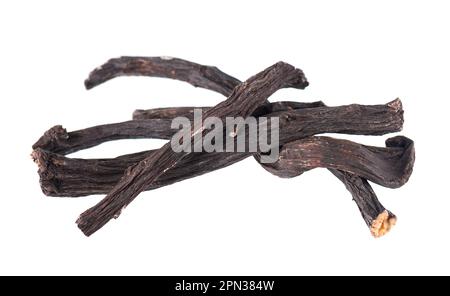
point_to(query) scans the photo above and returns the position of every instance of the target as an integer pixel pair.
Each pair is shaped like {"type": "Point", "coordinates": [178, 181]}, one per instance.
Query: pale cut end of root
{"type": "Point", "coordinates": [396, 104]}
{"type": "Point", "coordinates": [36, 156]}
{"type": "Point", "coordinates": [383, 224]}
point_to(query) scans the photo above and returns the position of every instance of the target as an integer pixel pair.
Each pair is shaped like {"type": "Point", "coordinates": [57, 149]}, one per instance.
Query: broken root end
{"type": "Point", "coordinates": [383, 224]}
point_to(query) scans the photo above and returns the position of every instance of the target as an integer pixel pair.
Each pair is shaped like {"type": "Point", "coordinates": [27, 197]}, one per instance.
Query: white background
{"type": "Point", "coordinates": [240, 220]}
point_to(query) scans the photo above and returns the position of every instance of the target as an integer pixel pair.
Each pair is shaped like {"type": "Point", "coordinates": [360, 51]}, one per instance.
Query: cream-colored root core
{"type": "Point", "coordinates": [382, 224]}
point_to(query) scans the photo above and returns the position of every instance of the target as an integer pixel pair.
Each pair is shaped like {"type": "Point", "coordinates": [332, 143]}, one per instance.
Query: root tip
{"type": "Point", "coordinates": [84, 227]}
{"type": "Point", "coordinates": [396, 105]}
{"type": "Point", "coordinates": [383, 224]}
{"type": "Point", "coordinates": [88, 84]}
